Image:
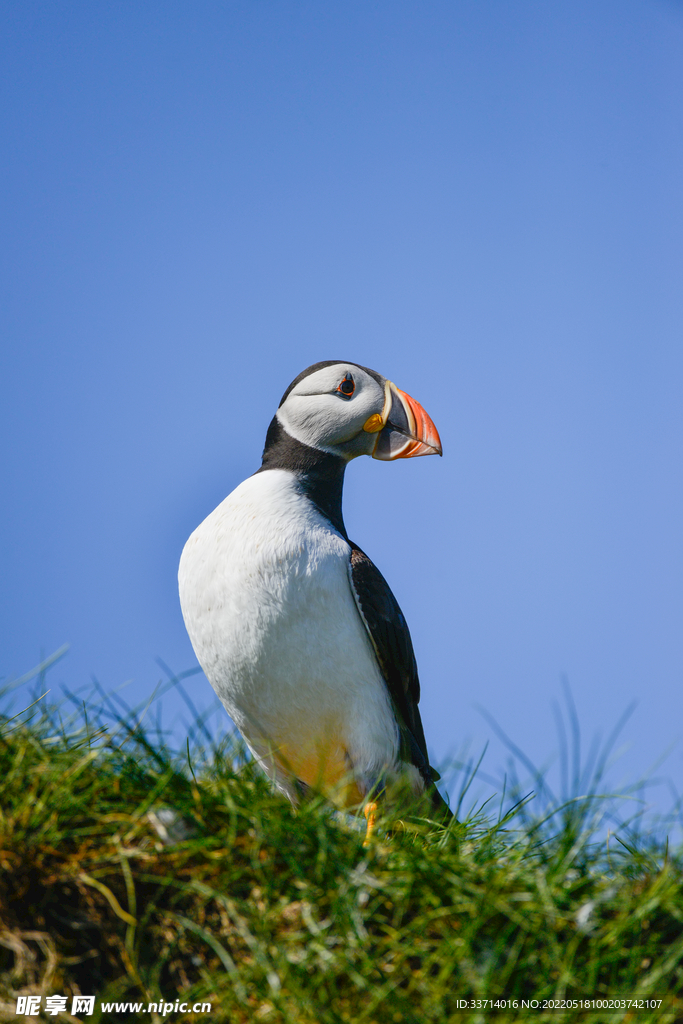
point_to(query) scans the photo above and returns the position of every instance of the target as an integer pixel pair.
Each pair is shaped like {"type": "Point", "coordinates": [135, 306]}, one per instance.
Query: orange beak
{"type": "Point", "coordinates": [403, 428]}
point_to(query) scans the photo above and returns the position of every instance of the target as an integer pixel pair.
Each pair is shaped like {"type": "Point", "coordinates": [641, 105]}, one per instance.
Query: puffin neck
{"type": "Point", "coordinates": [320, 474]}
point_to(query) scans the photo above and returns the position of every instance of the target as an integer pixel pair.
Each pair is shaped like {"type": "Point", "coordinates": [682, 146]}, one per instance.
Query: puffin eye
{"type": "Point", "coordinates": [347, 386]}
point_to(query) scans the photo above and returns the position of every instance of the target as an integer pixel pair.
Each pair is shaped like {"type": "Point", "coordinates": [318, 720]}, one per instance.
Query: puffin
{"type": "Point", "coordinates": [292, 623]}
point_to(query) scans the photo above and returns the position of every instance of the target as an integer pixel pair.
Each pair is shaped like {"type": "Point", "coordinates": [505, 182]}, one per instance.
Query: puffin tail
{"type": "Point", "coordinates": [440, 809]}
{"type": "Point", "coordinates": [438, 806]}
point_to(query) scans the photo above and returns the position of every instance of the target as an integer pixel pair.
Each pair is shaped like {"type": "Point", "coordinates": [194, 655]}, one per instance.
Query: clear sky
{"type": "Point", "coordinates": [481, 200]}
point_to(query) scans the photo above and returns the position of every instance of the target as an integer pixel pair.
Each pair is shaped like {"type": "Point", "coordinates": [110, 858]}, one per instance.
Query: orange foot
{"type": "Point", "coordinates": [370, 812]}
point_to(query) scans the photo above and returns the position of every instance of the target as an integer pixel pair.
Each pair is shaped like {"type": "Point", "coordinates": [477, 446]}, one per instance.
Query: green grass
{"type": "Point", "coordinates": [281, 916]}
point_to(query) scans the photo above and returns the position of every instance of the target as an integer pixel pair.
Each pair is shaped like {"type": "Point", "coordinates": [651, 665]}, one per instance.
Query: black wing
{"type": "Point", "coordinates": [390, 636]}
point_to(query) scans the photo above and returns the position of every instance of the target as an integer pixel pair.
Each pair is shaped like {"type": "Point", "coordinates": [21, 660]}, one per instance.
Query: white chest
{"type": "Point", "coordinates": [266, 598]}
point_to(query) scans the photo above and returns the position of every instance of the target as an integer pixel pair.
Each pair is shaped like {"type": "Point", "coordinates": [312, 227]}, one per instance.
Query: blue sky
{"type": "Point", "coordinates": [480, 200]}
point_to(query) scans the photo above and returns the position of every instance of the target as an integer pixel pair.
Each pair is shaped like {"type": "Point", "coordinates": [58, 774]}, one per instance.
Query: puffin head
{"type": "Point", "coordinates": [348, 410]}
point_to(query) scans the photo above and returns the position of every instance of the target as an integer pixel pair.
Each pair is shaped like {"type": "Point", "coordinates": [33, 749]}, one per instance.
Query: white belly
{"type": "Point", "coordinates": [267, 601]}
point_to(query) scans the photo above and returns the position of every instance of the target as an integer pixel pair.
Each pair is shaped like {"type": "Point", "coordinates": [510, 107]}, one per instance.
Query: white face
{"type": "Point", "coordinates": [320, 413]}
